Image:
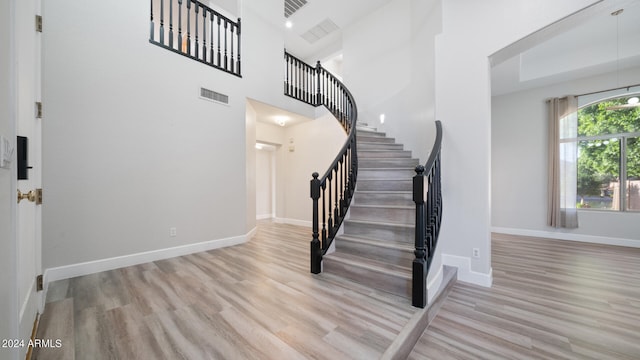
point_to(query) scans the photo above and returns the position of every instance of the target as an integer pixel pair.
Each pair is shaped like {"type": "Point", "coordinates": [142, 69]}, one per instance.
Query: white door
{"type": "Point", "coordinates": [27, 86]}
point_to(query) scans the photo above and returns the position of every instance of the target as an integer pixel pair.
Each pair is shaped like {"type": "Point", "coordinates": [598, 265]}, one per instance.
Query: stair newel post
{"type": "Point", "coordinates": [151, 32]}
{"type": "Point", "coordinates": [419, 282]}
{"type": "Point", "coordinates": [316, 253]}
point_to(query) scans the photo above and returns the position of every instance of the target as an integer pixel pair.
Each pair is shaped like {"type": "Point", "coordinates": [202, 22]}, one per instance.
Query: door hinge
{"type": "Point", "coordinates": [39, 283]}
{"type": "Point", "coordinates": [39, 23]}
{"type": "Point", "coordinates": [38, 196]}
{"type": "Point", "coordinates": [38, 110]}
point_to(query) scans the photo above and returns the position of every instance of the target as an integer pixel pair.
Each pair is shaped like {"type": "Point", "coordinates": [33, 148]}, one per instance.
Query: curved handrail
{"type": "Point", "coordinates": [428, 200]}
{"type": "Point", "coordinates": [332, 192]}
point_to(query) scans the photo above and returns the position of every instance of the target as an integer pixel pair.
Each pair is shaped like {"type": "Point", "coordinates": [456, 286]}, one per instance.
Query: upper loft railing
{"type": "Point", "coordinates": [332, 192]}
{"type": "Point", "coordinates": [427, 195]}
{"type": "Point", "coordinates": [192, 29]}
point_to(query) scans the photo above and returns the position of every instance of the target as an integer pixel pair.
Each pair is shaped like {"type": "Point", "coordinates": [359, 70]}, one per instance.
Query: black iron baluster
{"type": "Point", "coordinates": [330, 221]}
{"type": "Point", "coordinates": [239, 47]}
{"type": "Point", "coordinates": [204, 34]}
{"type": "Point", "coordinates": [189, 27]}
{"type": "Point", "coordinates": [171, 24]}
{"type": "Point", "coordinates": [226, 58]}
{"type": "Point", "coordinates": [325, 245]}
{"type": "Point", "coordinates": [219, 51]}
{"type": "Point", "coordinates": [196, 21]}
{"type": "Point", "coordinates": [318, 74]}
{"type": "Point", "coordinates": [211, 58]}
{"type": "Point", "coordinates": [162, 22]}
{"type": "Point", "coordinates": [316, 253]}
{"type": "Point", "coordinates": [232, 64]}
{"type": "Point", "coordinates": [180, 25]}
{"type": "Point", "coordinates": [151, 32]}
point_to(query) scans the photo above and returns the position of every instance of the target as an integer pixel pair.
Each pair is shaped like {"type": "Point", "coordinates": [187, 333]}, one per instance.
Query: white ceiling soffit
{"type": "Point", "coordinates": [326, 27]}
{"type": "Point", "coordinates": [291, 6]}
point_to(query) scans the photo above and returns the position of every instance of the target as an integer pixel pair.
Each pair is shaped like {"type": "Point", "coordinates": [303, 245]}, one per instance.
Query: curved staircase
{"type": "Point", "coordinates": [377, 246]}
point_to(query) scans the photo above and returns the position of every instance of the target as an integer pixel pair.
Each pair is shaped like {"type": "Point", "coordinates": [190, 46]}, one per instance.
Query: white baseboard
{"type": "Point", "coordinates": [91, 267]}
{"type": "Point", "coordinates": [569, 236]}
{"type": "Point", "coordinates": [465, 273]}
{"type": "Point", "coordinates": [265, 216]}
{"type": "Point", "coordinates": [294, 222]}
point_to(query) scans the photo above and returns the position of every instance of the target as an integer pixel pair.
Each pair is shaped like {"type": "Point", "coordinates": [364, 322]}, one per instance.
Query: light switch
{"type": "Point", "coordinates": [6, 152]}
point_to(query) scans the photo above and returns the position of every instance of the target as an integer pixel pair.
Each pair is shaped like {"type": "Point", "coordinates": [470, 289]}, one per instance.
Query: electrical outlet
{"type": "Point", "coordinates": [173, 232]}
{"type": "Point", "coordinates": [476, 252]}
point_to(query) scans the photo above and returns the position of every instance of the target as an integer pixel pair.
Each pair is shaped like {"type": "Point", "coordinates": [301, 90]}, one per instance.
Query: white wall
{"type": "Point", "coordinates": [519, 164]}
{"type": "Point", "coordinates": [265, 183]}
{"type": "Point", "coordinates": [473, 30]}
{"type": "Point", "coordinates": [130, 149]}
{"type": "Point", "coordinates": [250, 166]}
{"type": "Point", "coordinates": [8, 297]}
{"type": "Point", "coordinates": [389, 68]}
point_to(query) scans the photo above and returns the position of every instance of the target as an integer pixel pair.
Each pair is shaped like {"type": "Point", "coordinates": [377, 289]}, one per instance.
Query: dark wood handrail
{"type": "Point", "coordinates": [209, 37]}
{"type": "Point", "coordinates": [332, 192]}
{"type": "Point", "coordinates": [428, 200]}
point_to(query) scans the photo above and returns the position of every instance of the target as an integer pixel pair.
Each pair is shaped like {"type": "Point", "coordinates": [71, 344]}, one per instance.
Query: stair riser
{"type": "Point", "coordinates": [378, 146]}
{"type": "Point", "coordinates": [377, 280]}
{"type": "Point", "coordinates": [383, 185]}
{"type": "Point", "coordinates": [376, 139]}
{"type": "Point", "coordinates": [381, 174]}
{"type": "Point", "coordinates": [387, 163]}
{"type": "Point", "coordinates": [364, 154]}
{"type": "Point", "coordinates": [383, 199]}
{"type": "Point", "coordinates": [401, 257]}
{"type": "Point", "coordinates": [403, 216]}
{"type": "Point", "coordinates": [370, 133]}
{"type": "Point", "coordinates": [380, 231]}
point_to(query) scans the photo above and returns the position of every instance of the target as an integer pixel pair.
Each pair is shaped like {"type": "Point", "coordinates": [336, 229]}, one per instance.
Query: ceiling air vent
{"type": "Point", "coordinates": [291, 6]}
{"type": "Point", "coordinates": [319, 31]}
{"type": "Point", "coordinates": [214, 96]}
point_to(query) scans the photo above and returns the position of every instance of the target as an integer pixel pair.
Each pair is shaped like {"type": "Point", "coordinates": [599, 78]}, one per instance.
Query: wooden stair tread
{"type": "Point", "coordinates": [376, 242]}
{"type": "Point", "coordinates": [391, 207]}
{"type": "Point", "coordinates": [370, 265]}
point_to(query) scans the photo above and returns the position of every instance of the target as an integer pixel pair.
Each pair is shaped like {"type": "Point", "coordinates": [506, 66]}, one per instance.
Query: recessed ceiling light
{"type": "Point", "coordinates": [288, 24]}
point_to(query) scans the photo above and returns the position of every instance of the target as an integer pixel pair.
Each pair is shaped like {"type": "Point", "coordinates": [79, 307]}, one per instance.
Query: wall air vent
{"type": "Point", "coordinates": [291, 6]}
{"type": "Point", "coordinates": [319, 31]}
{"type": "Point", "coordinates": [214, 96]}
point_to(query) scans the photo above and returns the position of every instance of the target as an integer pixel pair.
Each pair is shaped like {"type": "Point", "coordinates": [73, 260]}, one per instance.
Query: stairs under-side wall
{"type": "Point", "coordinates": [377, 245]}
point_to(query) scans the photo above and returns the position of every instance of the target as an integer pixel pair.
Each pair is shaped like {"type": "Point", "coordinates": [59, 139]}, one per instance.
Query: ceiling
{"type": "Point", "coordinates": [275, 116]}
{"type": "Point", "coordinates": [588, 43]}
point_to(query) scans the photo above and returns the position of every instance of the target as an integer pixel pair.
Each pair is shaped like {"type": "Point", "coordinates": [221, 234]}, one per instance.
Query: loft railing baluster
{"type": "Point", "coordinates": [179, 25]}
{"type": "Point", "coordinates": [233, 59]}
{"type": "Point", "coordinates": [189, 27]}
{"type": "Point", "coordinates": [219, 44]}
{"type": "Point", "coordinates": [226, 57]}
{"type": "Point", "coordinates": [162, 22]}
{"type": "Point", "coordinates": [151, 30]}
{"type": "Point", "coordinates": [211, 58]}
{"type": "Point", "coordinates": [171, 24]}
{"type": "Point", "coordinates": [204, 34]}
{"type": "Point", "coordinates": [239, 47]}
{"type": "Point", "coordinates": [196, 21]}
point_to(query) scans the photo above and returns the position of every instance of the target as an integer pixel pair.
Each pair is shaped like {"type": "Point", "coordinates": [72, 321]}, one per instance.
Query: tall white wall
{"type": "Point", "coordinates": [130, 148]}
{"type": "Point", "coordinates": [519, 165]}
{"type": "Point", "coordinates": [389, 68]}
{"type": "Point", "coordinates": [8, 298]}
{"type": "Point", "coordinates": [473, 30]}
{"type": "Point", "coordinates": [265, 183]}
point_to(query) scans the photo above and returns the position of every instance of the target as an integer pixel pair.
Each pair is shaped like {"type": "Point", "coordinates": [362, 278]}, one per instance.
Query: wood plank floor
{"type": "Point", "coordinates": [550, 300]}
{"type": "Point", "coordinates": [252, 301]}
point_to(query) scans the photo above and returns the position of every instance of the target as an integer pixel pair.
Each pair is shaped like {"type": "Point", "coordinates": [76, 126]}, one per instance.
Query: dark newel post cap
{"type": "Point", "coordinates": [420, 169]}
{"type": "Point", "coordinates": [315, 175]}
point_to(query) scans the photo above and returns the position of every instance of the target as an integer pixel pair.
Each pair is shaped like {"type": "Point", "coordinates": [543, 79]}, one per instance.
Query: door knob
{"type": "Point", "coordinates": [33, 196]}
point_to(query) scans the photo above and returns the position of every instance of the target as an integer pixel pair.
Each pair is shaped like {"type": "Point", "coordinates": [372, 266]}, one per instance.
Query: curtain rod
{"type": "Point", "coordinates": [601, 91]}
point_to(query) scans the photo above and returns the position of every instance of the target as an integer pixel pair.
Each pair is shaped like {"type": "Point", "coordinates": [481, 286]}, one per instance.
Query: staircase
{"type": "Point", "coordinates": [377, 245]}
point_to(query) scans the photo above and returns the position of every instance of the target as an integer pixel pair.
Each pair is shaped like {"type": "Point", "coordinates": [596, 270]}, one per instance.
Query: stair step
{"type": "Point", "coordinates": [367, 131]}
{"type": "Point", "coordinates": [385, 173]}
{"type": "Point", "coordinates": [380, 230]}
{"type": "Point", "coordinates": [390, 278]}
{"type": "Point", "coordinates": [383, 198]}
{"type": "Point", "coordinates": [378, 154]}
{"type": "Point", "coordinates": [387, 162]}
{"type": "Point", "coordinates": [396, 253]}
{"type": "Point", "coordinates": [365, 128]}
{"type": "Point", "coordinates": [378, 146]}
{"type": "Point", "coordinates": [405, 184]}
{"type": "Point", "coordinates": [376, 139]}
{"type": "Point", "coordinates": [389, 213]}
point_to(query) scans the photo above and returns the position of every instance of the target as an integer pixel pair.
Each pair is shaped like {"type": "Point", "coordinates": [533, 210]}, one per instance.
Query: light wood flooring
{"type": "Point", "coordinates": [253, 301]}
{"type": "Point", "coordinates": [550, 299]}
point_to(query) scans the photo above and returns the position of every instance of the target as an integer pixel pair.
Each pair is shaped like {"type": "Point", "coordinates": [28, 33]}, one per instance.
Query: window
{"type": "Point", "coordinates": [609, 155]}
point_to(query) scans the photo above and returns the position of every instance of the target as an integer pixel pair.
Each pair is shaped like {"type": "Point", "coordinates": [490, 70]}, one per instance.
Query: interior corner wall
{"type": "Point", "coordinates": [472, 31]}
{"type": "Point", "coordinates": [519, 163]}
{"type": "Point", "coordinates": [130, 149]}
{"type": "Point", "coordinates": [250, 166]}
{"type": "Point", "coordinates": [388, 65]}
